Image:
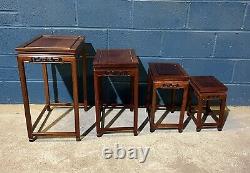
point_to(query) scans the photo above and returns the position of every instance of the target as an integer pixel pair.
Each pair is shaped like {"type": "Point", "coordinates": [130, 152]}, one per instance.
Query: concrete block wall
{"type": "Point", "coordinates": [207, 37]}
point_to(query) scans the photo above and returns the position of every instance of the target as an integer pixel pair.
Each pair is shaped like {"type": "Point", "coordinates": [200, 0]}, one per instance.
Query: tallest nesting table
{"type": "Point", "coordinates": [45, 50]}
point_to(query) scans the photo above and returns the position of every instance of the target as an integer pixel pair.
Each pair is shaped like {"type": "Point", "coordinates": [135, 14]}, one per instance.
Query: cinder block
{"type": "Point", "coordinates": [96, 37]}
{"type": "Point", "coordinates": [15, 96]}
{"type": "Point", "coordinates": [221, 69]}
{"type": "Point", "coordinates": [222, 16]}
{"type": "Point", "coordinates": [13, 37]}
{"type": "Point", "coordinates": [48, 13]}
{"type": "Point", "coordinates": [160, 15]}
{"type": "Point", "coordinates": [238, 94]}
{"type": "Point", "coordinates": [8, 5]}
{"type": "Point", "coordinates": [35, 91]}
{"type": "Point", "coordinates": [108, 13]}
{"type": "Point", "coordinates": [33, 73]}
{"type": "Point", "coordinates": [9, 19]}
{"type": "Point", "coordinates": [145, 43]}
{"type": "Point", "coordinates": [242, 72]}
{"type": "Point", "coordinates": [247, 19]}
{"type": "Point", "coordinates": [235, 45]}
{"type": "Point", "coordinates": [188, 44]}
{"type": "Point", "coordinates": [8, 74]}
{"type": "Point", "coordinates": [8, 61]}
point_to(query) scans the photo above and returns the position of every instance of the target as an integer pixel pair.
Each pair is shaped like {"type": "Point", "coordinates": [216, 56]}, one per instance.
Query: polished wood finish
{"type": "Point", "coordinates": [168, 72]}
{"type": "Point", "coordinates": [116, 58]}
{"type": "Point", "coordinates": [207, 84]}
{"type": "Point", "coordinates": [66, 45]}
{"type": "Point", "coordinates": [166, 76]}
{"type": "Point", "coordinates": [52, 49]}
{"type": "Point", "coordinates": [115, 62]}
{"type": "Point", "coordinates": [207, 88]}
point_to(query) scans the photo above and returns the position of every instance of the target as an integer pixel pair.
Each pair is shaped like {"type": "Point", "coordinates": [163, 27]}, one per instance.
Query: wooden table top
{"type": "Point", "coordinates": [168, 71]}
{"type": "Point", "coordinates": [206, 84]}
{"type": "Point", "coordinates": [115, 58]}
{"type": "Point", "coordinates": [52, 44]}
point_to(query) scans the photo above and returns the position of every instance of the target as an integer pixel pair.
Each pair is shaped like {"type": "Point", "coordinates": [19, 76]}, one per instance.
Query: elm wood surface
{"type": "Point", "coordinates": [166, 76]}
{"type": "Point", "coordinates": [207, 88]}
{"type": "Point", "coordinates": [116, 62]}
{"type": "Point", "coordinates": [52, 49]}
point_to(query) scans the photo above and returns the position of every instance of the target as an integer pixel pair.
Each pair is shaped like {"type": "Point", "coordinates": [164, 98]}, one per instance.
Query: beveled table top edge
{"type": "Point", "coordinates": [23, 49]}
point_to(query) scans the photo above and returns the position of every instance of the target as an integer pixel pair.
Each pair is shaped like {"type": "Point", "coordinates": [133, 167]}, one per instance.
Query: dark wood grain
{"type": "Point", "coordinates": [166, 76]}
{"type": "Point", "coordinates": [52, 44]}
{"type": "Point", "coordinates": [167, 71]}
{"type": "Point", "coordinates": [116, 58]}
{"type": "Point", "coordinates": [116, 62]}
{"type": "Point", "coordinates": [52, 49]}
{"type": "Point", "coordinates": [207, 84]}
{"type": "Point", "coordinates": [207, 88]}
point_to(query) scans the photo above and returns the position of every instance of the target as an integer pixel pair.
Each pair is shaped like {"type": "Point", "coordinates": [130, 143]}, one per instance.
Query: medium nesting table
{"type": "Point", "coordinates": [47, 49]}
{"type": "Point", "coordinates": [116, 62]}
{"type": "Point", "coordinates": [166, 76]}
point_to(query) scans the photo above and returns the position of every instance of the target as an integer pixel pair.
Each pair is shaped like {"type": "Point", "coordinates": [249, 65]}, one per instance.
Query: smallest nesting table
{"type": "Point", "coordinates": [207, 88]}
{"type": "Point", "coordinates": [166, 76]}
{"type": "Point", "coordinates": [116, 62]}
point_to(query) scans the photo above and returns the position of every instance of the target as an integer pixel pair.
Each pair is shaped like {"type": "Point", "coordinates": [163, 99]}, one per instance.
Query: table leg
{"type": "Point", "coordinates": [189, 102]}
{"type": "Point", "coordinates": [97, 104]}
{"type": "Point", "coordinates": [46, 86]}
{"type": "Point", "coordinates": [199, 115]}
{"type": "Point", "coordinates": [222, 113]}
{"type": "Point", "coordinates": [25, 98]}
{"type": "Point", "coordinates": [149, 86]}
{"type": "Point", "coordinates": [75, 98]}
{"type": "Point", "coordinates": [207, 111]}
{"type": "Point", "coordinates": [173, 94]}
{"type": "Point", "coordinates": [183, 108]}
{"type": "Point", "coordinates": [136, 81]}
{"type": "Point", "coordinates": [153, 109]}
{"type": "Point", "coordinates": [132, 94]}
{"type": "Point", "coordinates": [85, 92]}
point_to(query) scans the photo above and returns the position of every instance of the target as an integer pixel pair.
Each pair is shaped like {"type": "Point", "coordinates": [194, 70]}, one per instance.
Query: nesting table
{"type": "Point", "coordinates": [51, 49]}
{"type": "Point", "coordinates": [207, 89]}
{"type": "Point", "coordinates": [116, 62]}
{"type": "Point", "coordinates": [47, 49]}
{"type": "Point", "coordinates": [166, 76]}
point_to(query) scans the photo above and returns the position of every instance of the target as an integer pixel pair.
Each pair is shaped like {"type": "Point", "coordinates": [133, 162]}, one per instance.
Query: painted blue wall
{"type": "Point", "coordinates": [206, 37]}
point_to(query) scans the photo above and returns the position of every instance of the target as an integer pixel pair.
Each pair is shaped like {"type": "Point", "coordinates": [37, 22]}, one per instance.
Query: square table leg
{"type": "Point", "coordinates": [46, 86]}
{"type": "Point", "coordinates": [135, 94]}
{"type": "Point", "coordinates": [25, 98]}
{"type": "Point", "coordinates": [153, 109]}
{"type": "Point", "coordinates": [85, 92]}
{"type": "Point", "coordinates": [199, 114]}
{"type": "Point", "coordinates": [97, 104]}
{"type": "Point", "coordinates": [149, 94]}
{"type": "Point", "coordinates": [132, 81]}
{"type": "Point", "coordinates": [75, 98]}
{"type": "Point", "coordinates": [222, 113]}
{"type": "Point", "coordinates": [183, 108]}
